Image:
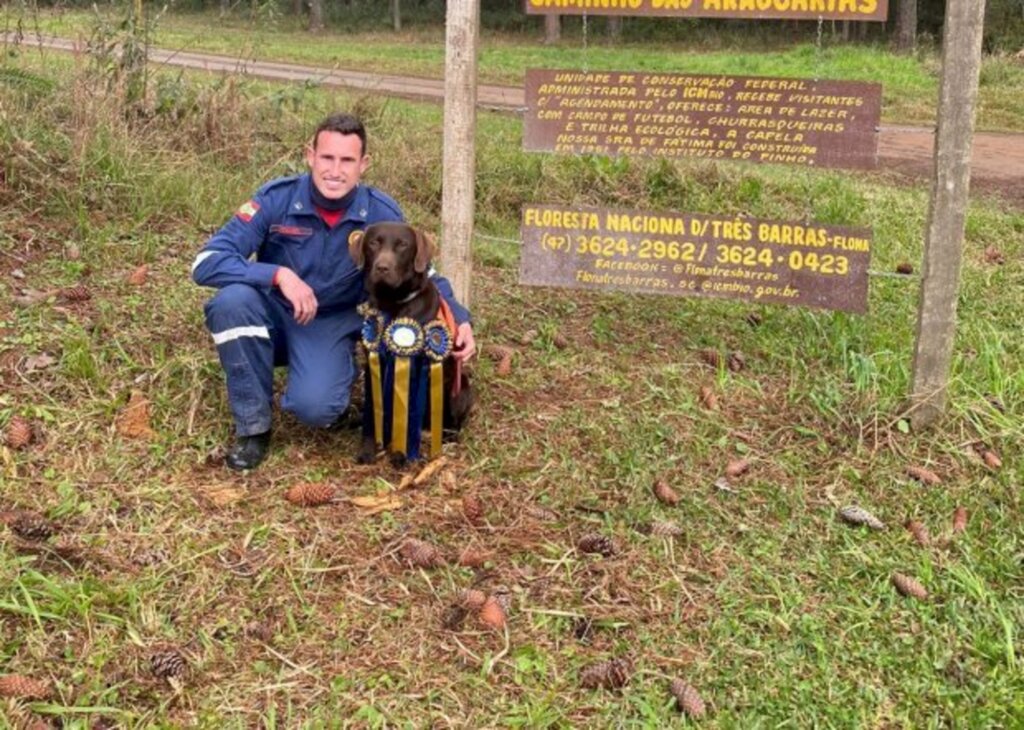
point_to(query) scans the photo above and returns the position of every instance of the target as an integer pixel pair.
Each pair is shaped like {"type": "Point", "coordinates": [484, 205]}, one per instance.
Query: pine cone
{"type": "Point", "coordinates": [24, 688]}
{"type": "Point", "coordinates": [925, 476]}
{"type": "Point", "coordinates": [737, 361]}
{"type": "Point", "coordinates": [909, 587]}
{"type": "Point", "coordinates": [859, 516]}
{"type": "Point", "coordinates": [992, 460]}
{"type": "Point", "coordinates": [993, 255]}
{"type": "Point", "coordinates": [960, 519]}
{"type": "Point", "coordinates": [596, 544]}
{"type": "Point", "coordinates": [472, 599]}
{"type": "Point", "coordinates": [167, 664]}
{"type": "Point", "coordinates": [504, 598]}
{"type": "Point", "coordinates": [711, 357]}
{"type": "Point", "coordinates": [708, 399]}
{"type": "Point", "coordinates": [664, 528]}
{"type": "Point", "coordinates": [687, 698]}
{"type": "Point", "coordinates": [472, 558]}
{"type": "Point", "coordinates": [583, 628]}
{"type": "Point", "coordinates": [453, 617]}
{"type": "Point", "coordinates": [607, 675]}
{"type": "Point", "coordinates": [28, 525]}
{"type": "Point", "coordinates": [19, 433]}
{"type": "Point", "coordinates": [421, 554]}
{"type": "Point", "coordinates": [78, 293]}
{"type": "Point", "coordinates": [542, 514]}
{"type": "Point", "coordinates": [472, 509]}
{"type": "Point", "coordinates": [259, 630]}
{"type": "Point", "coordinates": [504, 356]}
{"type": "Point", "coordinates": [492, 614]}
{"type": "Point", "coordinates": [665, 493]}
{"type": "Point", "coordinates": [139, 276]}
{"type": "Point", "coordinates": [310, 494]}
{"type": "Point", "coordinates": [736, 468]}
{"type": "Point", "coordinates": [920, 532]}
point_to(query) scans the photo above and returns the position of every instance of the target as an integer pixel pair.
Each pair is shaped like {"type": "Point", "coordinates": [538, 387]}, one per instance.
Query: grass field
{"type": "Point", "coordinates": [910, 84]}
{"type": "Point", "coordinates": [777, 612]}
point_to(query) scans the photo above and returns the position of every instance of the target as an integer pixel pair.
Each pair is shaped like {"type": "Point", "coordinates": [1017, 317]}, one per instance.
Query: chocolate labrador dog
{"type": "Point", "coordinates": [395, 259]}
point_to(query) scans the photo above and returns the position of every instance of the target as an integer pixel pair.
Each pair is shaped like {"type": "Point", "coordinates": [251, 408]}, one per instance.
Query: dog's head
{"type": "Point", "coordinates": [394, 257]}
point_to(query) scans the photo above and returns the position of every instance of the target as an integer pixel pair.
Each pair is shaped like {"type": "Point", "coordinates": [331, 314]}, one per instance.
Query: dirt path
{"type": "Point", "coordinates": [997, 164]}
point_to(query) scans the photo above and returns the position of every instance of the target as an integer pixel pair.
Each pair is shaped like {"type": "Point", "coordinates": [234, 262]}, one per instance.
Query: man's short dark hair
{"type": "Point", "coordinates": [342, 124]}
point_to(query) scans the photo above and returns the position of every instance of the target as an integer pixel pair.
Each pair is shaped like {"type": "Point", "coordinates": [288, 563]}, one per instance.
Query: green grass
{"type": "Point", "coordinates": [910, 84]}
{"type": "Point", "coordinates": [779, 614]}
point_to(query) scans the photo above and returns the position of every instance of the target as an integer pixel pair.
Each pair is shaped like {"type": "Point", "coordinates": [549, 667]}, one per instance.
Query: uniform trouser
{"type": "Point", "coordinates": [253, 332]}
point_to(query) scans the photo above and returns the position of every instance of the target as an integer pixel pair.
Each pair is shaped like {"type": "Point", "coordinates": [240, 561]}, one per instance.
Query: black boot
{"type": "Point", "coordinates": [248, 451]}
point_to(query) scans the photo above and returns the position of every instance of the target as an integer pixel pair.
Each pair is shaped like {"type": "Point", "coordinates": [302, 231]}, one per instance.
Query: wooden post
{"type": "Point", "coordinates": [462, 34]}
{"type": "Point", "coordinates": [936, 314]}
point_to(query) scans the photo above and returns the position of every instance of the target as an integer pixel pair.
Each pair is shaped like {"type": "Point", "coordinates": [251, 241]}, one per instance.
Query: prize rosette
{"type": "Point", "coordinates": [373, 326]}
{"type": "Point", "coordinates": [404, 337]}
{"type": "Point", "coordinates": [437, 340]}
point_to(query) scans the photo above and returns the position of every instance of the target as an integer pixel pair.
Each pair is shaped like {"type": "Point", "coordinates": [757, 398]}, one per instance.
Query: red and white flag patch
{"type": "Point", "coordinates": [248, 210]}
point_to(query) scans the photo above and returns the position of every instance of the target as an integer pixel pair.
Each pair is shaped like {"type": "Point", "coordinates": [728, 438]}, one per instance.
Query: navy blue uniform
{"type": "Point", "coordinates": [252, 323]}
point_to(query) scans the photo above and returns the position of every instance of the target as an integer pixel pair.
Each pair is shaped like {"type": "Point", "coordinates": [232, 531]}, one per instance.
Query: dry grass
{"type": "Point", "coordinates": [286, 617]}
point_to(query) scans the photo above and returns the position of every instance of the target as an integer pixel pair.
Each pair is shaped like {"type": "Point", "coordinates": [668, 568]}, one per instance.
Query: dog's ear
{"type": "Point", "coordinates": [355, 247]}
{"type": "Point", "coordinates": [425, 250]}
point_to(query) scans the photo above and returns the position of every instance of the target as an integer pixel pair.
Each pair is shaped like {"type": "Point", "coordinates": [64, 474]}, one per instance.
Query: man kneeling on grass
{"type": "Point", "coordinates": [295, 304]}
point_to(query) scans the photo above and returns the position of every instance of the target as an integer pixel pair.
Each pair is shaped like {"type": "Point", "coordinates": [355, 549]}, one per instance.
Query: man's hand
{"type": "Point", "coordinates": [298, 293]}
{"type": "Point", "coordinates": [465, 345]}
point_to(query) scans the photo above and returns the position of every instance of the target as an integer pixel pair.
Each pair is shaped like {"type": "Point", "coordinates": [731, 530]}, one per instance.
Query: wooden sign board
{"type": "Point", "coordinates": [748, 118]}
{"type": "Point", "coordinates": [695, 255]}
{"type": "Point", "coordinates": [877, 10]}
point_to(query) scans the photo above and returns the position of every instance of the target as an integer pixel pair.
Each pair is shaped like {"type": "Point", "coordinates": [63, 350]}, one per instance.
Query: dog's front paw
{"type": "Point", "coordinates": [399, 460]}
{"type": "Point", "coordinates": [367, 452]}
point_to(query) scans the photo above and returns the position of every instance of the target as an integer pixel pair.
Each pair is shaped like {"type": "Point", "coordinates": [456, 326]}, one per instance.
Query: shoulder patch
{"type": "Point", "coordinates": [248, 210]}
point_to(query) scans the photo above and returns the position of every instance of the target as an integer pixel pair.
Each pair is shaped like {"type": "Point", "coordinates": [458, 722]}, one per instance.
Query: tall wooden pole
{"type": "Point", "coordinates": [462, 35]}
{"type": "Point", "coordinates": [936, 314]}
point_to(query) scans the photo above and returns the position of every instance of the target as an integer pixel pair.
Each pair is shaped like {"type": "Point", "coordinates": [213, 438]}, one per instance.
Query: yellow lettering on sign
{"type": "Point", "coordinates": [861, 7]}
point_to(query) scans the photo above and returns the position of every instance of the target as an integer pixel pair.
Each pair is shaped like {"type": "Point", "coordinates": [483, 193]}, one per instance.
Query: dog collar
{"type": "Point", "coordinates": [409, 297]}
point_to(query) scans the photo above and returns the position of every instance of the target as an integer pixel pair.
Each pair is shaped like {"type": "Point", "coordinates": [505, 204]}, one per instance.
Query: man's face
{"type": "Point", "coordinates": [336, 162]}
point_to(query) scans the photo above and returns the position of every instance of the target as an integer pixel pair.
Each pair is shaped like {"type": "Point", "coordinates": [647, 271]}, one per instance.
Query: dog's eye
{"type": "Point", "coordinates": [373, 243]}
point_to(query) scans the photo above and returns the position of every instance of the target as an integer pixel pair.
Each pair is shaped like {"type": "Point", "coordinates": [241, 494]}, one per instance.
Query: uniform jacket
{"type": "Point", "coordinates": [280, 227]}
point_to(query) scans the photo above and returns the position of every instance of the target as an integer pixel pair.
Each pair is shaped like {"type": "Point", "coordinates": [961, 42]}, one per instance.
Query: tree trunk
{"type": "Point", "coordinates": [396, 14]}
{"type": "Point", "coordinates": [615, 27]}
{"type": "Point", "coordinates": [298, 7]}
{"type": "Point", "coordinates": [906, 30]}
{"type": "Point", "coordinates": [552, 29]}
{"type": "Point", "coordinates": [225, 7]}
{"type": "Point", "coordinates": [316, 16]}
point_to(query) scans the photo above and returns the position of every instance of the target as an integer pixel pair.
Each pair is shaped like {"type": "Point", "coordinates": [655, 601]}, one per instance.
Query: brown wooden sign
{"type": "Point", "coordinates": [696, 255]}
{"type": "Point", "coordinates": [780, 9]}
{"type": "Point", "coordinates": [748, 118]}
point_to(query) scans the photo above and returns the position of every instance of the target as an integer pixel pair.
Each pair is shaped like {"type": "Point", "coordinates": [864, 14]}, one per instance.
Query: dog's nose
{"type": "Point", "coordinates": [381, 267]}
